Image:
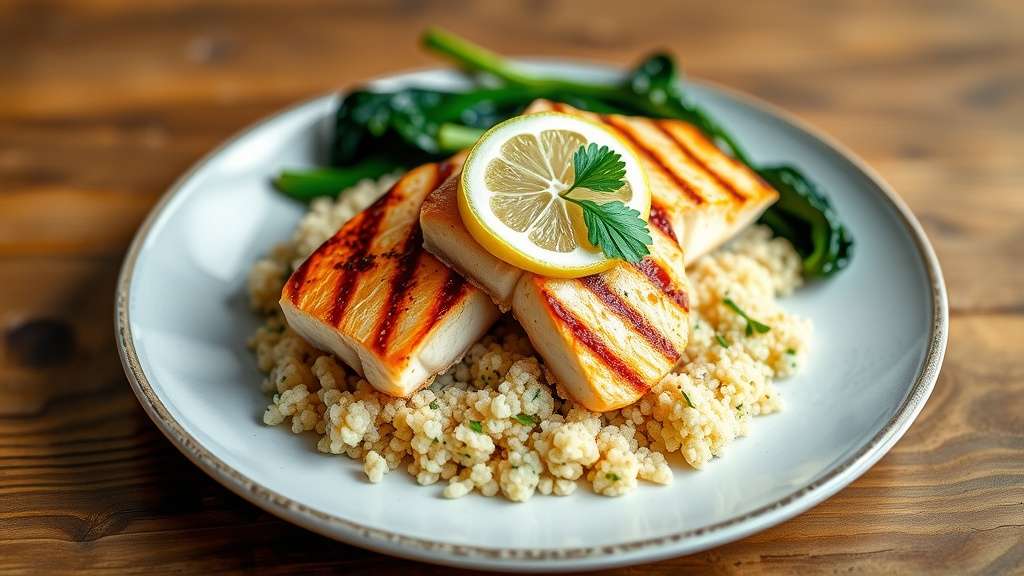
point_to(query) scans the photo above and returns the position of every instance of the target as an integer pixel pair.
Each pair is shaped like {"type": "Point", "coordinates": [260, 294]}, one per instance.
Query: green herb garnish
{"type": "Point", "coordinates": [526, 419]}
{"type": "Point", "coordinates": [612, 226]}
{"type": "Point", "coordinates": [791, 351]}
{"type": "Point", "coordinates": [434, 404]}
{"type": "Point", "coordinates": [687, 396]}
{"type": "Point", "coordinates": [536, 393]}
{"type": "Point", "coordinates": [598, 169]}
{"type": "Point", "coordinates": [612, 476]}
{"type": "Point", "coordinates": [476, 426]}
{"type": "Point", "coordinates": [722, 341]}
{"type": "Point", "coordinates": [752, 325]}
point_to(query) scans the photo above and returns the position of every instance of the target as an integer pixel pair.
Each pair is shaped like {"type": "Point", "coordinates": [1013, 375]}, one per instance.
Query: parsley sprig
{"type": "Point", "coordinates": [612, 226]}
{"type": "Point", "coordinates": [752, 325]}
{"type": "Point", "coordinates": [597, 168]}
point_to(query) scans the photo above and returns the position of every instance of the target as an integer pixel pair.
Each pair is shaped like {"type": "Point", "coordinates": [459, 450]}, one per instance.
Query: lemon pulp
{"type": "Point", "coordinates": [510, 193]}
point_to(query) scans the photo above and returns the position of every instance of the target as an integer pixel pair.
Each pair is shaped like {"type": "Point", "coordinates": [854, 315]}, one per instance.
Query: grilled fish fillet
{"type": "Point", "coordinates": [609, 337]}
{"type": "Point", "coordinates": [374, 297]}
{"type": "Point", "coordinates": [447, 238]}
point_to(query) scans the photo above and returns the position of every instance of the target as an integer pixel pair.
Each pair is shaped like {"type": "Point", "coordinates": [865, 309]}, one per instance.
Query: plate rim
{"type": "Point", "coordinates": [535, 559]}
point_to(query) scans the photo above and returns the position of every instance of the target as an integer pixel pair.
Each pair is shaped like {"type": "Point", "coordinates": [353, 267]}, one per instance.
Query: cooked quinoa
{"type": "Point", "coordinates": [494, 423]}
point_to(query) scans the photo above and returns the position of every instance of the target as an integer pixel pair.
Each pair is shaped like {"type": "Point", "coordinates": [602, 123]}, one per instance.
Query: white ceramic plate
{"type": "Point", "coordinates": [182, 322]}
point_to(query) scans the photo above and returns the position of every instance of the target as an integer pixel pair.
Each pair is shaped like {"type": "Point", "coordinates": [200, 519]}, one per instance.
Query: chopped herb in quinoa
{"type": "Point", "coordinates": [476, 426]}
{"type": "Point", "coordinates": [722, 341]}
{"type": "Point", "coordinates": [612, 476]}
{"type": "Point", "coordinates": [526, 419]}
{"type": "Point", "coordinates": [687, 396]}
{"type": "Point", "coordinates": [752, 325]}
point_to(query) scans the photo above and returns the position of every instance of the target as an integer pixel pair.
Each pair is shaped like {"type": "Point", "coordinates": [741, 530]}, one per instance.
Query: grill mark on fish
{"type": "Point", "coordinates": [588, 338]}
{"type": "Point", "coordinates": [625, 130]}
{"type": "Point", "coordinates": [298, 278]}
{"type": "Point", "coordinates": [357, 241]}
{"type": "Point", "coordinates": [400, 282]}
{"type": "Point", "coordinates": [451, 293]}
{"type": "Point", "coordinates": [660, 278]}
{"type": "Point", "coordinates": [659, 217]}
{"type": "Point", "coordinates": [399, 285]}
{"type": "Point", "coordinates": [696, 160]}
{"type": "Point", "coordinates": [454, 288]}
{"type": "Point", "coordinates": [621, 308]}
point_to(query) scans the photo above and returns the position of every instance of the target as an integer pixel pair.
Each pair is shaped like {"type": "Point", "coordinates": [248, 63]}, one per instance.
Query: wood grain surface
{"type": "Point", "coordinates": [103, 103]}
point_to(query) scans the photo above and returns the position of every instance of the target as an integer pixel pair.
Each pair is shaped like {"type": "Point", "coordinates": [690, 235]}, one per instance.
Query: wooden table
{"type": "Point", "coordinates": [104, 103]}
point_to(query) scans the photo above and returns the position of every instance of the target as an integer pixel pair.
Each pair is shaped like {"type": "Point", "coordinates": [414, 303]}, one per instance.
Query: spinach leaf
{"type": "Point", "coordinates": [377, 132]}
{"type": "Point", "coordinates": [804, 216]}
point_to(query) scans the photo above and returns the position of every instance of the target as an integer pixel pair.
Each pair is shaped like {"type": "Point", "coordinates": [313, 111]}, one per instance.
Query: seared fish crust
{"type": "Point", "coordinates": [374, 297]}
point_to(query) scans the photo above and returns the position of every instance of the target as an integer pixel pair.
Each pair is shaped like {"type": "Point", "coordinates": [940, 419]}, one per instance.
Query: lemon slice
{"type": "Point", "coordinates": [509, 193]}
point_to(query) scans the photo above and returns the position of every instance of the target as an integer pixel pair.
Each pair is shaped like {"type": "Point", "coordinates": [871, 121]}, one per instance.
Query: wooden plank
{"type": "Point", "coordinates": [103, 103]}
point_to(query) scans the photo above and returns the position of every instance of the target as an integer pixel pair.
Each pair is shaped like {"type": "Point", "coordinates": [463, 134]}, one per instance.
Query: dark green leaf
{"type": "Point", "coordinates": [598, 169]}
{"type": "Point", "coordinates": [406, 125]}
{"type": "Point", "coordinates": [476, 426]}
{"type": "Point", "coordinates": [616, 229]}
{"type": "Point", "coordinates": [722, 341]}
{"type": "Point", "coordinates": [804, 216]}
{"type": "Point", "coordinates": [612, 476]}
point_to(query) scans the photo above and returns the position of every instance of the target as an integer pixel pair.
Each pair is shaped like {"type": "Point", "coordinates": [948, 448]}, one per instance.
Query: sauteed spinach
{"type": "Point", "coordinates": [379, 132]}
